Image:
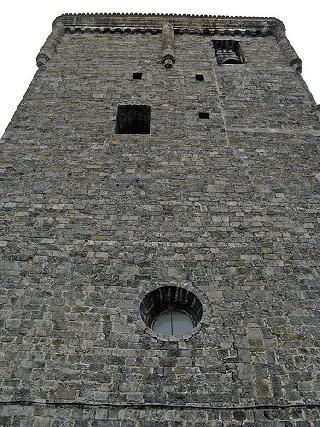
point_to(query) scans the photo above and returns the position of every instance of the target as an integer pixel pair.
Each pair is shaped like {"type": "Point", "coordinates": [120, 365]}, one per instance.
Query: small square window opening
{"type": "Point", "coordinates": [203, 115]}
{"type": "Point", "coordinates": [199, 77]}
{"type": "Point", "coordinates": [137, 76]}
{"type": "Point", "coordinates": [133, 119]}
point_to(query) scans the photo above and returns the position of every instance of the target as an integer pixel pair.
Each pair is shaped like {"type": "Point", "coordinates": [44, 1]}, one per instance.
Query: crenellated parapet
{"type": "Point", "coordinates": [50, 45]}
{"type": "Point", "coordinates": [168, 26]}
{"type": "Point", "coordinates": [190, 24]}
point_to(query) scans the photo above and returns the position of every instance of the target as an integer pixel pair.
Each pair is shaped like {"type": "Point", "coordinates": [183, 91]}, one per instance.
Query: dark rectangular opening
{"type": "Point", "coordinates": [228, 52]}
{"type": "Point", "coordinates": [137, 76]}
{"type": "Point", "coordinates": [199, 77]}
{"type": "Point", "coordinates": [133, 119]}
{"type": "Point", "coordinates": [203, 115]}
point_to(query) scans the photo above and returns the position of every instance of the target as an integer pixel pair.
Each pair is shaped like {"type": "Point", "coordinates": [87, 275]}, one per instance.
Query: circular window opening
{"type": "Point", "coordinates": [171, 311]}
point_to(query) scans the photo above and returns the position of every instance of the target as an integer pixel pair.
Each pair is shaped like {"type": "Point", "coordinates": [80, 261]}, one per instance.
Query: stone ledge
{"type": "Point", "coordinates": [206, 24]}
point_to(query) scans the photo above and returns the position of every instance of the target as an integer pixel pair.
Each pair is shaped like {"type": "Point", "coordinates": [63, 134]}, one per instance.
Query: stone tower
{"type": "Point", "coordinates": [159, 195]}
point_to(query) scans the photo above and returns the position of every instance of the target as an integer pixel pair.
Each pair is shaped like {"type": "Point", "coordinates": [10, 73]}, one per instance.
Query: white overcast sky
{"type": "Point", "coordinates": [26, 24]}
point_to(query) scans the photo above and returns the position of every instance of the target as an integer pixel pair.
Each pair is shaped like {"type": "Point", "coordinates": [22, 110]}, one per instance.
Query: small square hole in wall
{"type": "Point", "coordinates": [137, 76]}
{"type": "Point", "coordinates": [199, 77]}
{"type": "Point", "coordinates": [133, 119]}
{"type": "Point", "coordinates": [203, 115]}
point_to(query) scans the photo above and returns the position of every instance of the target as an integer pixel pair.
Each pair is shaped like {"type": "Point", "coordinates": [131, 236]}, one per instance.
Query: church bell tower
{"type": "Point", "coordinates": [159, 251]}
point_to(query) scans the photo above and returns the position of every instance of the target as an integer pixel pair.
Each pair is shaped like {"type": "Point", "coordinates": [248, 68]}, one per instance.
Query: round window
{"type": "Point", "coordinates": [171, 311]}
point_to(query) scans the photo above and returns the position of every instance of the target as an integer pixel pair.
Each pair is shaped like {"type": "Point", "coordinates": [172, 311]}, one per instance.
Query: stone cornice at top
{"type": "Point", "coordinates": [168, 25]}
{"type": "Point", "coordinates": [194, 23]}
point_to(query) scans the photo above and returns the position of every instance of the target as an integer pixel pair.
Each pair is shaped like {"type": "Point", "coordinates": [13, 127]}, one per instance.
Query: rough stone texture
{"type": "Point", "coordinates": [91, 221]}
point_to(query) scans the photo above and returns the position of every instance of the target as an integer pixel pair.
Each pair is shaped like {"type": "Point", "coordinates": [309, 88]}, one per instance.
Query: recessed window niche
{"type": "Point", "coordinates": [228, 52]}
{"type": "Point", "coordinates": [171, 311]}
{"type": "Point", "coordinates": [133, 119]}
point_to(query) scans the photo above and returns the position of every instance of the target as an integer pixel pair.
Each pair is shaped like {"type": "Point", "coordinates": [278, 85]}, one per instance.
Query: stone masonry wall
{"type": "Point", "coordinates": [91, 221]}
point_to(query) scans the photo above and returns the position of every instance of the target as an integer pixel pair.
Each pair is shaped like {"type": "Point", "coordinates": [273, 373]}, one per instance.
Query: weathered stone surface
{"type": "Point", "coordinates": [92, 221]}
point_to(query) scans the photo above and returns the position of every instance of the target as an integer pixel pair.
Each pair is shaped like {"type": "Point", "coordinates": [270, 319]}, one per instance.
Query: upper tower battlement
{"type": "Point", "coordinates": [206, 25]}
